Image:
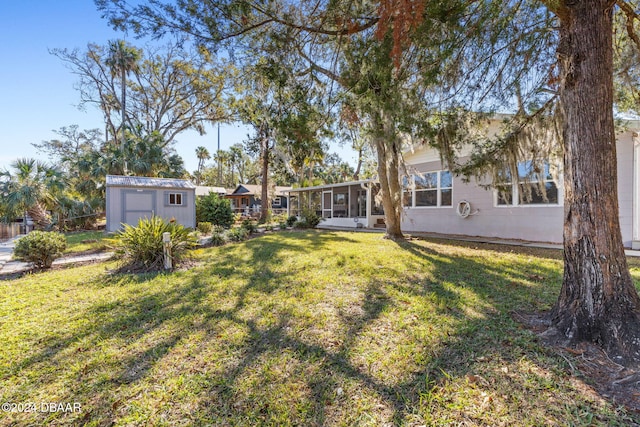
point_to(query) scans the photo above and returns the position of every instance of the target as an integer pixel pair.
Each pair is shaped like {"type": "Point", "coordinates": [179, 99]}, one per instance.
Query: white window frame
{"type": "Point", "coordinates": [181, 194]}
{"type": "Point", "coordinates": [515, 193]}
{"type": "Point", "coordinates": [438, 189]}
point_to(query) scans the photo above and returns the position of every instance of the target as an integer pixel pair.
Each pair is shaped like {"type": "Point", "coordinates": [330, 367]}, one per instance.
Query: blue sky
{"type": "Point", "coordinates": [37, 92]}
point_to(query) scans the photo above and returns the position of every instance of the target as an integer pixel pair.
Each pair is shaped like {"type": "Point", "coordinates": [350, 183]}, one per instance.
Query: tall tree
{"type": "Point", "coordinates": [171, 90]}
{"type": "Point", "coordinates": [598, 301]}
{"type": "Point", "coordinates": [145, 154]}
{"type": "Point", "coordinates": [203, 155]}
{"type": "Point", "coordinates": [122, 59]}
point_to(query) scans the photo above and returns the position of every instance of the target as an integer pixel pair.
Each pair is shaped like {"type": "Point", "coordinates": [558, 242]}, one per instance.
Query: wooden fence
{"type": "Point", "coordinates": [7, 231]}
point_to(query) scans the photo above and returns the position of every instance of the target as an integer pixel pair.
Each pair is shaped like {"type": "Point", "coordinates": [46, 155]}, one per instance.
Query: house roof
{"type": "Point", "coordinates": [202, 190]}
{"type": "Point", "coordinates": [256, 190]}
{"type": "Point", "coordinates": [325, 186]}
{"type": "Point", "coordinates": [143, 181]}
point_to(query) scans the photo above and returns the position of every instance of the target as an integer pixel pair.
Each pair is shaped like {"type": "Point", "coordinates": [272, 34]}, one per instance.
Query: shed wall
{"type": "Point", "coordinates": [185, 215]}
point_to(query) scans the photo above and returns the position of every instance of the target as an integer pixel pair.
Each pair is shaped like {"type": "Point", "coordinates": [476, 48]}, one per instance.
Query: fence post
{"type": "Point", "coordinates": [166, 243]}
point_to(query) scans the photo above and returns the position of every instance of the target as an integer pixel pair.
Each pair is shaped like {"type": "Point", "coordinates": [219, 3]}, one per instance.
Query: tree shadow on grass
{"type": "Point", "coordinates": [141, 323]}
{"type": "Point", "coordinates": [244, 332]}
{"type": "Point", "coordinates": [457, 356]}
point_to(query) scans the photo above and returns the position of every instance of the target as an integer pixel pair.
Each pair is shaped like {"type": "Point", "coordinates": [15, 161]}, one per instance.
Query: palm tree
{"type": "Point", "coordinates": [222, 158]}
{"type": "Point", "coordinates": [203, 155]}
{"type": "Point", "coordinates": [32, 187]}
{"type": "Point", "coordinates": [122, 59]}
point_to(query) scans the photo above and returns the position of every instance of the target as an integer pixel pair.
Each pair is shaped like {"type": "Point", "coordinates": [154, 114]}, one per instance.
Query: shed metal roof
{"type": "Point", "coordinates": [143, 181]}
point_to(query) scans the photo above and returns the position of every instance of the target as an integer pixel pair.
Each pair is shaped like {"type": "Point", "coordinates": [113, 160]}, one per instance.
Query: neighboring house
{"type": "Point", "coordinates": [202, 190]}
{"type": "Point", "coordinates": [130, 198]}
{"type": "Point", "coordinates": [443, 203]}
{"type": "Point", "coordinates": [348, 204]}
{"type": "Point", "coordinates": [245, 199]}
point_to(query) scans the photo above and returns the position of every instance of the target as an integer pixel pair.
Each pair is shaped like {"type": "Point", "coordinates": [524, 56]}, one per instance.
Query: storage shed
{"type": "Point", "coordinates": [130, 198]}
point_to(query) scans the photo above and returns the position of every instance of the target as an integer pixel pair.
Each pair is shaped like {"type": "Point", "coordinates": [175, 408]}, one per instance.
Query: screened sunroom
{"type": "Point", "coordinates": [350, 204]}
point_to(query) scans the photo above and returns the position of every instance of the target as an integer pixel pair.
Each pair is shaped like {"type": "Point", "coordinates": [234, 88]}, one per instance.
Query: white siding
{"type": "Point", "coordinates": [530, 223]}
{"type": "Point", "coordinates": [625, 159]}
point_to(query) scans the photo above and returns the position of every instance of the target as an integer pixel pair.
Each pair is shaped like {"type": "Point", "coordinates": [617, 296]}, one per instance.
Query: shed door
{"type": "Point", "coordinates": [137, 204]}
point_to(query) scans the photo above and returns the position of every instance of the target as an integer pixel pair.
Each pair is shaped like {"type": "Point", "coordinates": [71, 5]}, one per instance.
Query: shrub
{"type": "Point", "coordinates": [141, 247]}
{"type": "Point", "coordinates": [250, 226]}
{"type": "Point", "coordinates": [214, 209]}
{"type": "Point", "coordinates": [309, 219]}
{"type": "Point", "coordinates": [291, 220]}
{"type": "Point", "coordinates": [40, 247]}
{"type": "Point", "coordinates": [217, 239]}
{"type": "Point", "coordinates": [205, 227]}
{"type": "Point", "coordinates": [238, 234]}
{"type": "Point", "coordinates": [280, 218]}
{"type": "Point", "coordinates": [283, 225]}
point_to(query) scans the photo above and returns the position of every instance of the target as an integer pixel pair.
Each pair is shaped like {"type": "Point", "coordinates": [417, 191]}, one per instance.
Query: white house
{"type": "Point", "coordinates": [130, 198]}
{"type": "Point", "coordinates": [443, 203]}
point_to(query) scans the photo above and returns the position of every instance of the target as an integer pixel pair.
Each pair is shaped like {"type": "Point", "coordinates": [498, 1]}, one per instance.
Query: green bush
{"type": "Point", "coordinates": [279, 219]}
{"type": "Point", "coordinates": [40, 247]}
{"type": "Point", "coordinates": [291, 220]}
{"type": "Point", "coordinates": [141, 247]}
{"type": "Point", "coordinates": [217, 239]}
{"type": "Point", "coordinates": [250, 226]}
{"type": "Point", "coordinates": [204, 227]}
{"type": "Point", "coordinates": [214, 209]}
{"type": "Point", "coordinates": [238, 234]}
{"type": "Point", "coordinates": [309, 219]}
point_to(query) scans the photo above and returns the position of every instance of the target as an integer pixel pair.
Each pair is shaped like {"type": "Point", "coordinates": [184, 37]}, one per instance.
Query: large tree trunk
{"type": "Point", "coordinates": [264, 210]}
{"type": "Point", "coordinates": [598, 301]}
{"type": "Point", "coordinates": [388, 153]}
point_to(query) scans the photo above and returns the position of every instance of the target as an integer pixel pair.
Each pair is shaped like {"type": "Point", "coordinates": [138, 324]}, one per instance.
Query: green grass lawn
{"type": "Point", "coordinates": [83, 241]}
{"type": "Point", "coordinates": [296, 328]}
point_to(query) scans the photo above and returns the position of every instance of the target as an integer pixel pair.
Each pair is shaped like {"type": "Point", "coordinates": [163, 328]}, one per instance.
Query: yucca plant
{"type": "Point", "coordinates": [141, 247]}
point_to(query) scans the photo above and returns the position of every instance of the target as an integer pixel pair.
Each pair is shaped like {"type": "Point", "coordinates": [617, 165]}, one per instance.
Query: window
{"type": "Point", "coordinates": [175, 199]}
{"type": "Point", "coordinates": [431, 189]}
{"type": "Point", "coordinates": [277, 201]}
{"type": "Point", "coordinates": [536, 186]}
